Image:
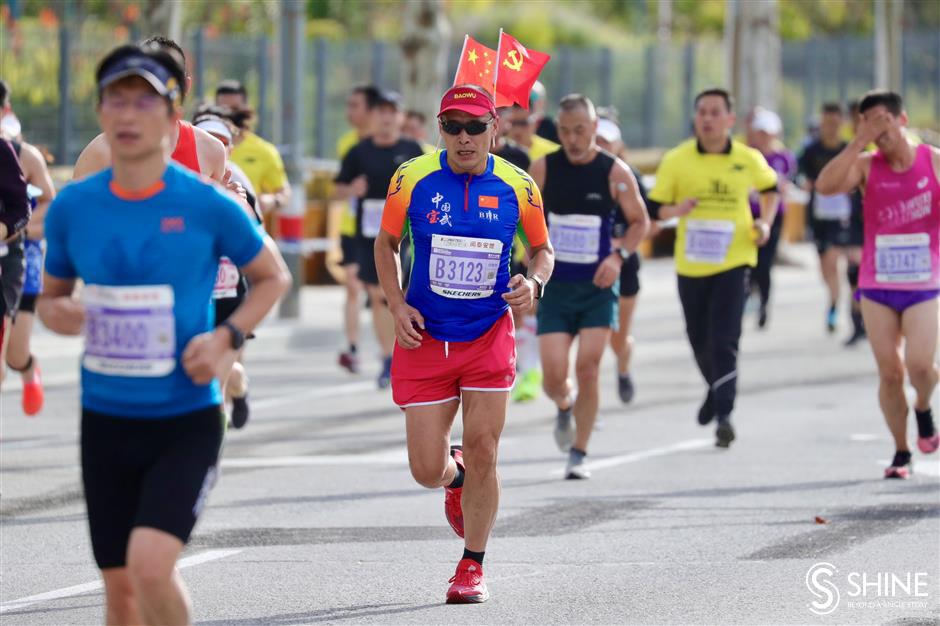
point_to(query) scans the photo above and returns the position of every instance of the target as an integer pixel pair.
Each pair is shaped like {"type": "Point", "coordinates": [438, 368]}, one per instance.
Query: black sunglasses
{"type": "Point", "coordinates": [473, 127]}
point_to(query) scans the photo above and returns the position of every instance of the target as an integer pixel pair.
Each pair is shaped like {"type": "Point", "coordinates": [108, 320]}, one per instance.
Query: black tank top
{"type": "Point", "coordinates": [580, 213]}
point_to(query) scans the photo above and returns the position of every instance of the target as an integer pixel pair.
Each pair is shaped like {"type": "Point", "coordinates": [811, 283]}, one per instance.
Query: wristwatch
{"type": "Point", "coordinates": [624, 253]}
{"type": "Point", "coordinates": [238, 337]}
{"type": "Point", "coordinates": [540, 286]}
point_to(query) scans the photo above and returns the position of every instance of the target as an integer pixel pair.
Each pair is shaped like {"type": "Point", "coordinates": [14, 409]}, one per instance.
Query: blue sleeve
{"type": "Point", "coordinates": [58, 260]}
{"type": "Point", "coordinates": [237, 235]}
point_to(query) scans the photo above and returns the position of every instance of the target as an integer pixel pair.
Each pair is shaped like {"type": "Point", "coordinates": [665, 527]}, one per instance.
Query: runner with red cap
{"type": "Point", "coordinates": [462, 207]}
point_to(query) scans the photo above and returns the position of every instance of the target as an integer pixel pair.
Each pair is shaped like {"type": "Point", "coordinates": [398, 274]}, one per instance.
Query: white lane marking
{"type": "Point", "coordinates": [74, 590]}
{"type": "Point", "coordinates": [922, 467]}
{"type": "Point", "coordinates": [861, 437]}
{"type": "Point", "coordinates": [392, 457]}
{"type": "Point", "coordinates": [633, 457]}
{"type": "Point", "coordinates": [314, 394]}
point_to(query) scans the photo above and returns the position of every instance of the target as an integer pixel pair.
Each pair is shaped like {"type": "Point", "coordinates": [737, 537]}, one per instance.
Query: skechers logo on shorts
{"type": "Point", "coordinates": [459, 293]}
{"type": "Point", "coordinates": [172, 225]}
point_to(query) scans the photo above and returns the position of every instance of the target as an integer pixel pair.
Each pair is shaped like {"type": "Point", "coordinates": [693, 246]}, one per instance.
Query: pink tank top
{"type": "Point", "coordinates": [902, 226]}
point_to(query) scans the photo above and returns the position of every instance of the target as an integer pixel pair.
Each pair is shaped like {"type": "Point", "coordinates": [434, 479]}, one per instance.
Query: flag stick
{"type": "Point", "coordinates": [460, 61]}
{"type": "Point", "coordinates": [496, 73]}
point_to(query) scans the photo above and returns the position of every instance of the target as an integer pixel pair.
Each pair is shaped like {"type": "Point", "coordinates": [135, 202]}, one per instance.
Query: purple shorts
{"type": "Point", "coordinates": [900, 301]}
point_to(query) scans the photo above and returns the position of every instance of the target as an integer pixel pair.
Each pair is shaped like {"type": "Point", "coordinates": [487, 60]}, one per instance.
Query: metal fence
{"type": "Point", "coordinates": [651, 86]}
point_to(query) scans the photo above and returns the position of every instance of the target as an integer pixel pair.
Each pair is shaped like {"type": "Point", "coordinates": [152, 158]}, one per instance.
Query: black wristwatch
{"type": "Point", "coordinates": [624, 253]}
{"type": "Point", "coordinates": [238, 337]}
{"type": "Point", "coordinates": [540, 286]}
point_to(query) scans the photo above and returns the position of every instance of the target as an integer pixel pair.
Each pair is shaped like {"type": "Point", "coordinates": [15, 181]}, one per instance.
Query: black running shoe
{"type": "Point", "coordinates": [625, 388]}
{"type": "Point", "coordinates": [762, 317]}
{"type": "Point", "coordinates": [724, 434]}
{"type": "Point", "coordinates": [706, 412]}
{"type": "Point", "coordinates": [240, 411]}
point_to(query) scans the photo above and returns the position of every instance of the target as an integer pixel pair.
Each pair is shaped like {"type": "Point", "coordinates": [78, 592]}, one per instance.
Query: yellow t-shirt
{"type": "Point", "coordinates": [347, 226]}
{"type": "Point", "coordinates": [261, 162]}
{"type": "Point", "coordinates": [718, 234]}
{"type": "Point", "coordinates": [541, 147]}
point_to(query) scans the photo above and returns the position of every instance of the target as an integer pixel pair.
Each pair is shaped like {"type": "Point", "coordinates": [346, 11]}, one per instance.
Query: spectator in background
{"type": "Point", "coordinates": [763, 132]}
{"type": "Point", "coordinates": [544, 125]}
{"type": "Point", "coordinates": [258, 158]}
{"type": "Point", "coordinates": [522, 131]}
{"type": "Point", "coordinates": [415, 127]}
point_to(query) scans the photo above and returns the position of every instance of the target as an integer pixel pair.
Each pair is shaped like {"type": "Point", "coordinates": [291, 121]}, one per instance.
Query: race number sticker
{"type": "Point", "coordinates": [903, 258]}
{"type": "Point", "coordinates": [372, 217]}
{"type": "Point", "coordinates": [226, 280]}
{"type": "Point", "coordinates": [464, 267]}
{"type": "Point", "coordinates": [707, 241]}
{"type": "Point", "coordinates": [576, 238]}
{"type": "Point", "coordinates": [834, 207]}
{"type": "Point", "coordinates": [129, 331]}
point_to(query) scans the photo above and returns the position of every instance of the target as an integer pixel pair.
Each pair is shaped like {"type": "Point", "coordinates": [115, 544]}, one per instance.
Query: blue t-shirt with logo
{"type": "Point", "coordinates": [148, 262]}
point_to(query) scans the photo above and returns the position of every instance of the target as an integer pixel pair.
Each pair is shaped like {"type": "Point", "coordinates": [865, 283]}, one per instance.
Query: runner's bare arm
{"type": "Point", "coordinates": [387, 265]}
{"type": "Point", "coordinates": [58, 310]}
{"type": "Point", "coordinates": [37, 173]}
{"type": "Point", "coordinates": [274, 200]}
{"type": "Point", "coordinates": [211, 153]}
{"type": "Point", "coordinates": [95, 157]}
{"type": "Point", "coordinates": [626, 192]}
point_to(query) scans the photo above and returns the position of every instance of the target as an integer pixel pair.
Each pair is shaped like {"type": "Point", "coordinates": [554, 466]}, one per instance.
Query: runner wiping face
{"type": "Point", "coordinates": [576, 131]}
{"type": "Point", "coordinates": [467, 152]}
{"type": "Point", "coordinates": [136, 120]}
{"type": "Point", "coordinates": [891, 127]}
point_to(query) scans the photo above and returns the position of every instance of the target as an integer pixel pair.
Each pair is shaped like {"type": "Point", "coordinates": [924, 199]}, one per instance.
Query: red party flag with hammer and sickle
{"type": "Point", "coordinates": [519, 68]}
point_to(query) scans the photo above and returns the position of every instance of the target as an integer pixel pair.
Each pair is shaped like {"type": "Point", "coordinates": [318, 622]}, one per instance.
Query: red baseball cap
{"type": "Point", "coordinates": [470, 100]}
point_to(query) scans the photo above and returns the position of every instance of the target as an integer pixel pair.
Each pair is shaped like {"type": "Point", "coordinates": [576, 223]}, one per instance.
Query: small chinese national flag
{"type": "Point", "coordinates": [519, 68]}
{"type": "Point", "coordinates": [477, 65]}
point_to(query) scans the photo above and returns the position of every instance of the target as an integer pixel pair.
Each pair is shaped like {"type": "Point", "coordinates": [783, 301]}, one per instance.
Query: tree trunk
{"type": "Point", "coordinates": [752, 36]}
{"type": "Point", "coordinates": [888, 17]}
{"type": "Point", "coordinates": [425, 44]}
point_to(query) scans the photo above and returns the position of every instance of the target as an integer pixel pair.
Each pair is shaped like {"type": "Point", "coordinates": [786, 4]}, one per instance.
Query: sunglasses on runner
{"type": "Point", "coordinates": [473, 127]}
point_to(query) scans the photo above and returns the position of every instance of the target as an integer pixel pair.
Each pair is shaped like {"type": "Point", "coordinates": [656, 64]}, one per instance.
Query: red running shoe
{"type": "Point", "coordinates": [929, 445]}
{"type": "Point", "coordinates": [452, 509]}
{"type": "Point", "coordinates": [349, 361]}
{"type": "Point", "coordinates": [467, 585]}
{"type": "Point", "coordinates": [33, 396]}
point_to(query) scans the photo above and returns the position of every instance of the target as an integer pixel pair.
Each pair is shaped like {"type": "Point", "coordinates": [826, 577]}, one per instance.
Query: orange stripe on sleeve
{"type": "Point", "coordinates": [531, 215]}
{"type": "Point", "coordinates": [396, 204]}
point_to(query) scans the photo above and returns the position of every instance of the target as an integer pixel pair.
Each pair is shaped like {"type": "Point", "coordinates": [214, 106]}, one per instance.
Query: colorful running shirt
{"type": "Point", "coordinates": [148, 262]}
{"type": "Point", "coordinates": [902, 226]}
{"type": "Point", "coordinates": [784, 163]}
{"type": "Point", "coordinates": [462, 227]}
{"type": "Point", "coordinates": [580, 213]}
{"type": "Point", "coordinates": [261, 162]}
{"type": "Point", "coordinates": [718, 234]}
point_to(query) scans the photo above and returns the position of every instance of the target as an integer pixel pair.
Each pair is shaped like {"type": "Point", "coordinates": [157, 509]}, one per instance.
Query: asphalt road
{"type": "Point", "coordinates": [316, 518]}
